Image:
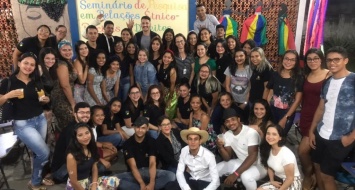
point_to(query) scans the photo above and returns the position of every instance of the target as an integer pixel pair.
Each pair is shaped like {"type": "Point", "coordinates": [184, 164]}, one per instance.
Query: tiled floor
{"type": "Point", "coordinates": [18, 179]}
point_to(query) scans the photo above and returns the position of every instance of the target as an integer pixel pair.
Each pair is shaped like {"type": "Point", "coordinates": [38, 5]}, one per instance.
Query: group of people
{"type": "Point", "coordinates": [177, 103]}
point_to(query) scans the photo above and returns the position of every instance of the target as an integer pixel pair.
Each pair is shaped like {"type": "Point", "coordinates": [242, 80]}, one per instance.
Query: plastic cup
{"type": "Point", "coordinates": [41, 94]}
{"type": "Point", "coordinates": [22, 93]}
{"type": "Point", "coordinates": [221, 137]}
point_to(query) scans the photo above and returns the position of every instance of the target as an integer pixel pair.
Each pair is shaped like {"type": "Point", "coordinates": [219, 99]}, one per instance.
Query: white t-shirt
{"type": "Point", "coordinates": [240, 143]}
{"type": "Point", "coordinates": [283, 158]}
{"type": "Point", "coordinates": [210, 22]}
{"type": "Point", "coordinates": [330, 106]}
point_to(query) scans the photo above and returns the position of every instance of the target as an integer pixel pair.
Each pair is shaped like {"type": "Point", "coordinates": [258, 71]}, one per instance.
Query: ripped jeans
{"type": "Point", "coordinates": [32, 132]}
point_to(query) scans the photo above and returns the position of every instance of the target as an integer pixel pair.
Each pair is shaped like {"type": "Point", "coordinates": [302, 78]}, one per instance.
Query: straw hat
{"type": "Point", "coordinates": [194, 131]}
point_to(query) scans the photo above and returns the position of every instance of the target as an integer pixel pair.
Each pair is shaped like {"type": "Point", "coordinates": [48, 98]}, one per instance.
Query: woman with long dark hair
{"type": "Point", "coordinates": [184, 60]}
{"type": "Point", "coordinates": [82, 158]}
{"type": "Point", "coordinates": [192, 42]}
{"type": "Point", "coordinates": [286, 86]}
{"type": "Point", "coordinates": [183, 106]}
{"type": "Point", "coordinates": [167, 78]}
{"type": "Point", "coordinates": [260, 116]}
{"type": "Point", "coordinates": [233, 44]}
{"type": "Point", "coordinates": [133, 108]}
{"type": "Point", "coordinates": [200, 119]}
{"type": "Point", "coordinates": [81, 64]}
{"type": "Point", "coordinates": [238, 79]}
{"type": "Point", "coordinates": [156, 49]}
{"type": "Point", "coordinates": [168, 39]}
{"type": "Point", "coordinates": [154, 108]}
{"type": "Point", "coordinates": [127, 67]}
{"type": "Point", "coordinates": [111, 130]}
{"type": "Point", "coordinates": [93, 92]}
{"type": "Point", "coordinates": [315, 74]}
{"type": "Point", "coordinates": [223, 60]}
{"type": "Point", "coordinates": [279, 160]}
{"type": "Point", "coordinates": [62, 95]}
{"type": "Point", "coordinates": [29, 124]}
{"type": "Point", "coordinates": [170, 144]}
{"type": "Point", "coordinates": [111, 82]}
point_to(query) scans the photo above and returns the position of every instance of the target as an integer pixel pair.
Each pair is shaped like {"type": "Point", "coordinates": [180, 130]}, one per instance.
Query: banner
{"type": "Point", "coordinates": [164, 14]}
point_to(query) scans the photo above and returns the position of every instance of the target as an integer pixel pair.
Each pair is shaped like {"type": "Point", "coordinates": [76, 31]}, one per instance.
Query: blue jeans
{"type": "Point", "coordinates": [115, 139]}
{"type": "Point", "coordinates": [127, 180]}
{"type": "Point", "coordinates": [153, 133]}
{"type": "Point", "coordinates": [125, 84]}
{"type": "Point", "coordinates": [33, 133]}
{"type": "Point", "coordinates": [278, 114]}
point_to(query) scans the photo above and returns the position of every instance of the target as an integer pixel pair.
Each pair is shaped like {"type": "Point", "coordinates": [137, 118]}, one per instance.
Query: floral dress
{"type": "Point", "coordinates": [110, 84]}
{"type": "Point", "coordinates": [211, 142]}
{"type": "Point", "coordinates": [98, 77]}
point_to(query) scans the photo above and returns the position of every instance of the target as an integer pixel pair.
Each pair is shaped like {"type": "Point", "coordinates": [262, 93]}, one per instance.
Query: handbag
{"type": "Point", "coordinates": [6, 110]}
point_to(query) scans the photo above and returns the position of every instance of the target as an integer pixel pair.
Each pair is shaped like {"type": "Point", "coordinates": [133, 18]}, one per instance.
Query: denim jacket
{"type": "Point", "coordinates": [145, 75]}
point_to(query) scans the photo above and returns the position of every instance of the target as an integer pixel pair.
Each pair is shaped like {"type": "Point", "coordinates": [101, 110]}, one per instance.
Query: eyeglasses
{"type": "Point", "coordinates": [288, 59]}
{"type": "Point", "coordinates": [83, 112]}
{"type": "Point", "coordinates": [334, 60]}
{"type": "Point", "coordinates": [313, 60]}
{"type": "Point", "coordinates": [180, 42]}
{"type": "Point", "coordinates": [165, 124]}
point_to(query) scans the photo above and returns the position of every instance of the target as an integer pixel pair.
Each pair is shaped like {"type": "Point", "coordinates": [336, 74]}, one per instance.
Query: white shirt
{"type": "Point", "coordinates": [94, 132]}
{"type": "Point", "coordinates": [240, 143]}
{"type": "Point", "coordinates": [284, 157]}
{"type": "Point", "coordinates": [330, 106]}
{"type": "Point", "coordinates": [202, 167]}
{"type": "Point", "coordinates": [210, 22]}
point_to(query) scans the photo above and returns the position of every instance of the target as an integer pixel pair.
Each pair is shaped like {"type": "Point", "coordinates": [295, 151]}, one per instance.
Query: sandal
{"type": "Point", "coordinates": [32, 187]}
{"type": "Point", "coordinates": [47, 181]}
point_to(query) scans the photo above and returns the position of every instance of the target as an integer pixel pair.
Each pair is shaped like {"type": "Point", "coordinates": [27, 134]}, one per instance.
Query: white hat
{"type": "Point", "coordinates": [194, 131]}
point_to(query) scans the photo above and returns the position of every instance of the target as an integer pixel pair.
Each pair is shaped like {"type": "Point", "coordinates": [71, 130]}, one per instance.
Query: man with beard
{"type": "Point", "coordinates": [143, 37]}
{"type": "Point", "coordinates": [58, 165]}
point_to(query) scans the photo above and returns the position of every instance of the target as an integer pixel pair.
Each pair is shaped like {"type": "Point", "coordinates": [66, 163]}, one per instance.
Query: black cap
{"type": "Point", "coordinates": [228, 113]}
{"type": "Point", "coordinates": [140, 121]}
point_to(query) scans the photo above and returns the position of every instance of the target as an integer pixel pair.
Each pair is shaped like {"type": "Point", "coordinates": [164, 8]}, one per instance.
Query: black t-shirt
{"type": "Point", "coordinates": [124, 66]}
{"type": "Point", "coordinates": [110, 123]}
{"type": "Point", "coordinates": [163, 75]}
{"type": "Point", "coordinates": [92, 54]}
{"type": "Point", "coordinates": [139, 151]}
{"type": "Point", "coordinates": [222, 64]}
{"type": "Point", "coordinates": [184, 108]}
{"type": "Point", "coordinates": [153, 112]}
{"type": "Point", "coordinates": [131, 111]}
{"type": "Point", "coordinates": [202, 91]}
{"type": "Point", "coordinates": [27, 107]}
{"type": "Point", "coordinates": [284, 90]}
{"type": "Point", "coordinates": [59, 155]}
{"type": "Point", "coordinates": [32, 44]}
{"type": "Point", "coordinates": [257, 81]}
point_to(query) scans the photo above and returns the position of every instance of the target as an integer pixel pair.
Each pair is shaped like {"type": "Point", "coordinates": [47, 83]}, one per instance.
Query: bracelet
{"type": "Point", "coordinates": [236, 173]}
{"type": "Point", "coordinates": [92, 183]}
